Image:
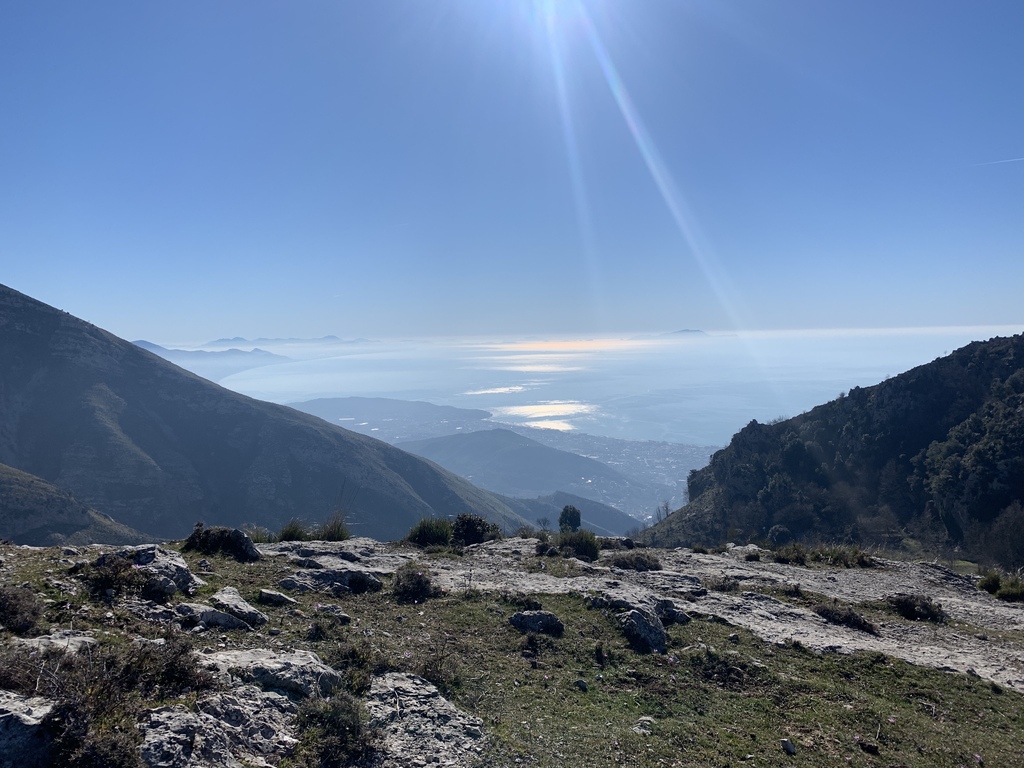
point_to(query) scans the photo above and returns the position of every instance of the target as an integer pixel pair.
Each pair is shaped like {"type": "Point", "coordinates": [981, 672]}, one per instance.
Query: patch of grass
{"type": "Point", "coordinates": [722, 584]}
{"type": "Point", "coordinates": [636, 560]}
{"type": "Point", "coordinates": [841, 556]}
{"type": "Point", "coordinates": [331, 733]}
{"type": "Point", "coordinates": [260, 534]}
{"type": "Point", "coordinates": [431, 531]}
{"type": "Point", "coordinates": [791, 554]}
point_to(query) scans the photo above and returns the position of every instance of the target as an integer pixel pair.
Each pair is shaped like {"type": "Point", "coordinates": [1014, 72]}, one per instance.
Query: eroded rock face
{"type": "Point", "coordinates": [542, 622]}
{"type": "Point", "coordinates": [231, 601]}
{"type": "Point", "coordinates": [63, 641]}
{"type": "Point", "coordinates": [419, 727]}
{"type": "Point", "coordinates": [24, 742]}
{"type": "Point", "coordinates": [297, 673]}
{"type": "Point", "coordinates": [194, 614]}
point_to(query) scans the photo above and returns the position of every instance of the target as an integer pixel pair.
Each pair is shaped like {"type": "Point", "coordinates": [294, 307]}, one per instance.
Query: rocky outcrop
{"type": "Point", "coordinates": [24, 741]}
{"type": "Point", "coordinates": [334, 581]}
{"type": "Point", "coordinates": [244, 726]}
{"type": "Point", "coordinates": [296, 673]}
{"type": "Point", "coordinates": [65, 640]}
{"type": "Point", "coordinates": [419, 727]}
{"type": "Point", "coordinates": [168, 570]}
{"type": "Point", "coordinates": [644, 631]}
{"type": "Point", "coordinates": [205, 616]}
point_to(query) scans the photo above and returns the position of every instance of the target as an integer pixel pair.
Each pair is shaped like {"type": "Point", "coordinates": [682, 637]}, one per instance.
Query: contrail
{"type": "Point", "coordinates": [998, 162]}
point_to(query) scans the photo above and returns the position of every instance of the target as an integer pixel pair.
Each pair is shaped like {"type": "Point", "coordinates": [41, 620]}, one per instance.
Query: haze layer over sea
{"type": "Point", "coordinates": [686, 387]}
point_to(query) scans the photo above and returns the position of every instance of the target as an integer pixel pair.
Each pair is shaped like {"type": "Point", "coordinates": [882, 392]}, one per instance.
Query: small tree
{"type": "Point", "coordinates": [569, 520]}
{"type": "Point", "coordinates": [544, 523]}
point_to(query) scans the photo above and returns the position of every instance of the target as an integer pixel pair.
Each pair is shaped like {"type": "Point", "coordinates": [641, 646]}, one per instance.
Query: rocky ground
{"type": "Point", "coordinates": [262, 675]}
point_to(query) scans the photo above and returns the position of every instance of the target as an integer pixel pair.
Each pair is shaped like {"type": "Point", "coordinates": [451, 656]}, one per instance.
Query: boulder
{"type": "Point", "coordinates": [669, 613]}
{"type": "Point", "coordinates": [413, 720]}
{"type": "Point", "coordinates": [644, 631]}
{"type": "Point", "coordinates": [166, 567]}
{"type": "Point", "coordinates": [230, 601]}
{"type": "Point", "coordinates": [24, 741]}
{"type": "Point", "coordinates": [295, 673]}
{"type": "Point", "coordinates": [541, 622]}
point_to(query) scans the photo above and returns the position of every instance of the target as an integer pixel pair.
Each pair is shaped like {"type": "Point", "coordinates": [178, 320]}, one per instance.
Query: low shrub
{"type": "Point", "coordinates": [1012, 591]}
{"type": "Point", "coordinates": [836, 555]}
{"type": "Point", "coordinates": [916, 608]}
{"type": "Point", "coordinates": [333, 529]}
{"type": "Point", "coordinates": [752, 557]}
{"type": "Point", "coordinates": [844, 615]}
{"type": "Point", "coordinates": [19, 609]}
{"type": "Point", "coordinates": [412, 584]}
{"type": "Point", "coordinates": [112, 575]}
{"type": "Point", "coordinates": [722, 584]}
{"type": "Point", "coordinates": [636, 560]}
{"type": "Point", "coordinates": [473, 529]}
{"type": "Point", "coordinates": [331, 733]}
{"type": "Point", "coordinates": [791, 554]}
{"type": "Point", "coordinates": [580, 544]}
{"type": "Point", "coordinates": [431, 531]}
{"type": "Point", "coordinates": [990, 582]}
{"type": "Point", "coordinates": [294, 530]}
{"type": "Point", "coordinates": [699, 549]}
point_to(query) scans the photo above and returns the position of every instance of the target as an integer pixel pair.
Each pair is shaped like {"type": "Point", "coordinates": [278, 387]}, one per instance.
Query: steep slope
{"type": "Point", "coordinates": [159, 448]}
{"type": "Point", "coordinates": [33, 511]}
{"type": "Point", "coordinates": [508, 463]}
{"type": "Point", "coordinates": [935, 454]}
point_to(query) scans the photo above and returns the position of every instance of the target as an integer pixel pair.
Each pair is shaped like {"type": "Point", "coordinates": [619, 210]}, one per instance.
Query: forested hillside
{"type": "Point", "coordinates": [933, 456]}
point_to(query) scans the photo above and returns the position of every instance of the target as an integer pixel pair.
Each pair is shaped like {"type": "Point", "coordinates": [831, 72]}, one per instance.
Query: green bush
{"type": "Point", "coordinates": [412, 584]}
{"type": "Point", "coordinates": [19, 609]}
{"type": "Point", "coordinates": [473, 529]}
{"type": "Point", "coordinates": [294, 530]}
{"type": "Point", "coordinates": [636, 560]}
{"type": "Point", "coordinates": [331, 733]}
{"type": "Point", "coordinates": [579, 544]}
{"type": "Point", "coordinates": [569, 519]}
{"type": "Point", "coordinates": [990, 582]}
{"type": "Point", "coordinates": [431, 531]}
{"type": "Point", "coordinates": [333, 529]}
{"type": "Point", "coordinates": [1012, 591]}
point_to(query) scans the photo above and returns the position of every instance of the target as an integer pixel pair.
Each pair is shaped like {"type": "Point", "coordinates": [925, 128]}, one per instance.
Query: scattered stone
{"type": "Point", "coordinates": [198, 614]}
{"type": "Point", "coordinates": [541, 622]}
{"type": "Point", "coordinates": [298, 673]}
{"type": "Point", "coordinates": [645, 632]}
{"type": "Point", "coordinates": [336, 612]}
{"type": "Point", "coordinates": [70, 552]}
{"type": "Point", "coordinates": [788, 746]}
{"type": "Point", "coordinates": [581, 684]}
{"type": "Point", "coordinates": [734, 638]}
{"type": "Point", "coordinates": [230, 601]}
{"type": "Point", "coordinates": [24, 741]}
{"type": "Point", "coordinates": [413, 720]}
{"type": "Point", "coordinates": [270, 597]}
{"type": "Point", "coordinates": [667, 611]}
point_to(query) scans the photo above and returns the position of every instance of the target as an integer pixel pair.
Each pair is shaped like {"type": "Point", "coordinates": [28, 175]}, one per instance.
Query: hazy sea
{"type": "Point", "coordinates": [688, 388]}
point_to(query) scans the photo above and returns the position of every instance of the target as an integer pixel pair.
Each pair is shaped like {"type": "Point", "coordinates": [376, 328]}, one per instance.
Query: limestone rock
{"type": "Point", "coordinates": [163, 564]}
{"type": "Point", "coordinates": [270, 597]}
{"type": "Point", "coordinates": [336, 581]}
{"type": "Point", "coordinates": [24, 742]}
{"type": "Point", "coordinates": [542, 622]}
{"type": "Point", "coordinates": [193, 614]}
{"type": "Point", "coordinates": [644, 631]}
{"type": "Point", "coordinates": [65, 640]}
{"type": "Point", "coordinates": [230, 601]}
{"type": "Point", "coordinates": [414, 721]}
{"type": "Point", "coordinates": [175, 737]}
{"type": "Point", "coordinates": [298, 673]}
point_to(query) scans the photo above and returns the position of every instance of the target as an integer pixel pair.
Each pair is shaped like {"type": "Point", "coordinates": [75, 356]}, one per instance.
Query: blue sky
{"type": "Point", "coordinates": [190, 170]}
